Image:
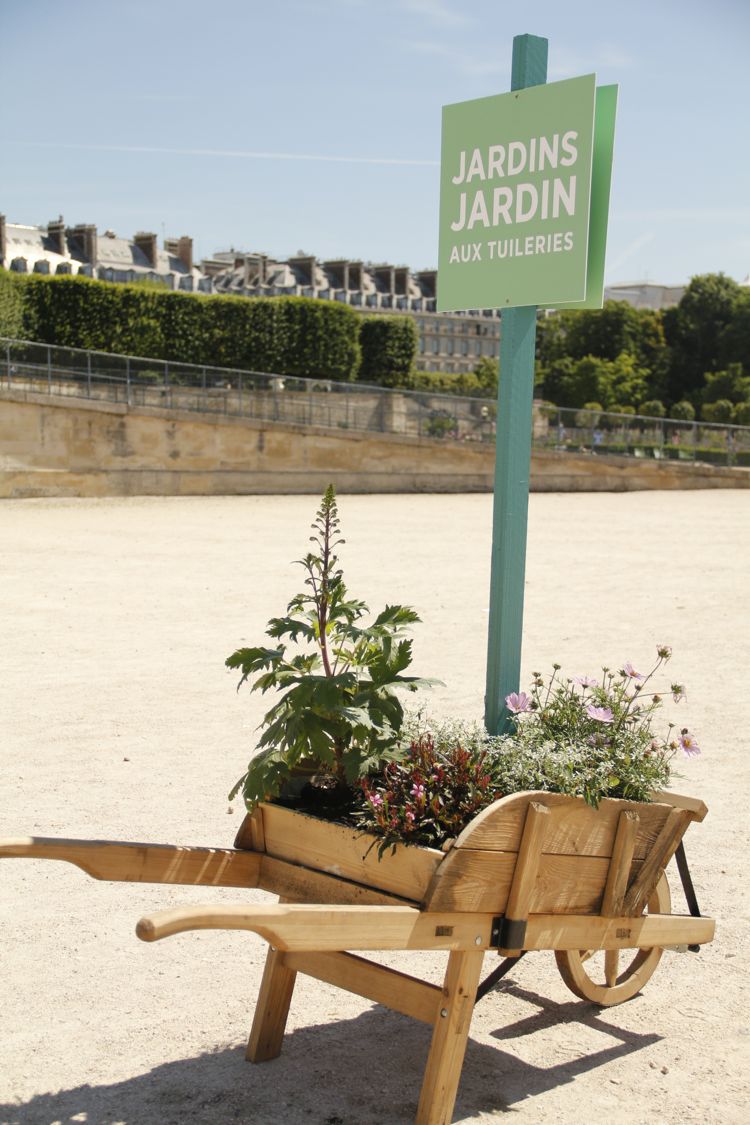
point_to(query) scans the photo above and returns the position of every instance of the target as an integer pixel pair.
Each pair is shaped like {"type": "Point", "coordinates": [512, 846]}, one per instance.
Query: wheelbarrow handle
{"type": "Point", "coordinates": [129, 862]}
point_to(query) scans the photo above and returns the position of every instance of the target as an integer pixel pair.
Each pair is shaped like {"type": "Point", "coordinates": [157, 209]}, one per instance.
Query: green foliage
{"type": "Point", "coordinates": [695, 330]}
{"type": "Point", "coordinates": [652, 408]}
{"type": "Point", "coordinates": [674, 354]}
{"type": "Point", "coordinates": [487, 371]}
{"type": "Point", "coordinates": [283, 335]}
{"type": "Point", "coordinates": [588, 738]}
{"type": "Point", "coordinates": [469, 384]}
{"type": "Point", "coordinates": [742, 414]}
{"type": "Point", "coordinates": [440, 424]}
{"type": "Point", "coordinates": [11, 306]}
{"type": "Point", "coordinates": [336, 709]}
{"type": "Point", "coordinates": [721, 411]}
{"type": "Point", "coordinates": [389, 348]}
{"type": "Point", "coordinates": [573, 382]}
{"type": "Point", "coordinates": [683, 411]}
{"type": "Point", "coordinates": [583, 738]}
{"type": "Point", "coordinates": [729, 384]}
{"type": "Point", "coordinates": [734, 338]}
{"type": "Point", "coordinates": [429, 796]}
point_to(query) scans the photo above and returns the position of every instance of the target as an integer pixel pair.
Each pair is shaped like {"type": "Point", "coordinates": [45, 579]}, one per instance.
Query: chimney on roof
{"type": "Point", "coordinates": [181, 248]}
{"type": "Point", "coordinates": [85, 236]}
{"type": "Point", "coordinates": [56, 235]}
{"type": "Point", "coordinates": [146, 243]}
{"type": "Point", "coordinates": [2, 239]}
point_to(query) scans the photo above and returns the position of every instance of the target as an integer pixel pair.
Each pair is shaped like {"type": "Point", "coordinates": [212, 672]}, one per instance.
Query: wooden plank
{"type": "Point", "coordinates": [575, 829]}
{"type": "Point", "coordinates": [341, 851]}
{"type": "Point", "coordinates": [480, 880]}
{"type": "Point", "coordinates": [143, 863]}
{"type": "Point", "coordinates": [307, 928]}
{"type": "Point", "coordinates": [640, 889]}
{"type": "Point", "coordinates": [250, 833]}
{"type": "Point", "coordinates": [301, 884]}
{"type": "Point", "coordinates": [553, 931]}
{"type": "Point", "coordinates": [448, 1046]}
{"type": "Point", "coordinates": [618, 877]}
{"type": "Point", "coordinates": [398, 991]}
{"type": "Point", "coordinates": [618, 874]}
{"type": "Point", "coordinates": [691, 804]}
{"type": "Point", "coordinates": [527, 868]}
{"type": "Point", "coordinates": [304, 928]}
{"type": "Point", "coordinates": [272, 1008]}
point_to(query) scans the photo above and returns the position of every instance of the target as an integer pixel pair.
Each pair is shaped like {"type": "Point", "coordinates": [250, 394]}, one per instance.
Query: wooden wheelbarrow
{"type": "Point", "coordinates": [533, 871]}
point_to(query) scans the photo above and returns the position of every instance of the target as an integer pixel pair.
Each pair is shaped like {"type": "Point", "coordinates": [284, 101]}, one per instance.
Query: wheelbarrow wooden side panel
{"type": "Point", "coordinates": [575, 849]}
{"type": "Point", "coordinates": [344, 852]}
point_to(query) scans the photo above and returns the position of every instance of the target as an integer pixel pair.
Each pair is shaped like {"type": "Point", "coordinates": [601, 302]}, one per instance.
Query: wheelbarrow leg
{"type": "Point", "coordinates": [272, 1009]}
{"type": "Point", "coordinates": [448, 1047]}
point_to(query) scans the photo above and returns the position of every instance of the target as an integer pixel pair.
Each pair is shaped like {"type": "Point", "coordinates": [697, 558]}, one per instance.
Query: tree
{"type": "Point", "coordinates": [695, 329]}
{"type": "Point", "coordinates": [730, 384]}
{"type": "Point", "coordinates": [734, 340]}
{"type": "Point", "coordinates": [574, 382]}
{"type": "Point", "coordinates": [604, 334]}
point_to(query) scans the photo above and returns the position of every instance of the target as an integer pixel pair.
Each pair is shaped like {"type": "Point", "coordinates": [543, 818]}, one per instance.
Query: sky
{"type": "Point", "coordinates": [314, 125]}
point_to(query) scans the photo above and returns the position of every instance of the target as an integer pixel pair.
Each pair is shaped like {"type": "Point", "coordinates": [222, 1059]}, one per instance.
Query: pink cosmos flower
{"type": "Point", "coordinates": [517, 702]}
{"type": "Point", "coordinates": [586, 681]}
{"type": "Point", "coordinates": [601, 714]}
{"type": "Point", "coordinates": [376, 799]}
{"type": "Point", "coordinates": [664, 651]}
{"type": "Point", "coordinates": [678, 692]}
{"type": "Point", "coordinates": [688, 745]}
{"type": "Point", "coordinates": [631, 673]}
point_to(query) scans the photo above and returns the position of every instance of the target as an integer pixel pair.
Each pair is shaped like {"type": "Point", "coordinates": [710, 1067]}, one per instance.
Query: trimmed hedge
{"type": "Point", "coordinates": [389, 348]}
{"type": "Point", "coordinates": [11, 307]}
{"type": "Point", "coordinates": [283, 335]}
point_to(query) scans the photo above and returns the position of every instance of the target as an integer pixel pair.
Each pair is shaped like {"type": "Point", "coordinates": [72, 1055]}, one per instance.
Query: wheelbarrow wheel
{"type": "Point", "coordinates": [599, 976]}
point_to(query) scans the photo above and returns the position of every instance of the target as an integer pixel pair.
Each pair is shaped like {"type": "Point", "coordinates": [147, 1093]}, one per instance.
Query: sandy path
{"type": "Point", "coordinates": [119, 721]}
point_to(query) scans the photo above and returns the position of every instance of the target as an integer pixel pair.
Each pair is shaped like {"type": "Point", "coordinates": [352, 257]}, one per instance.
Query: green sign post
{"type": "Point", "coordinates": [524, 196]}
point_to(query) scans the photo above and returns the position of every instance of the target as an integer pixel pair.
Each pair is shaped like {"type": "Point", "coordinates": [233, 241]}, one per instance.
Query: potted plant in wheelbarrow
{"type": "Point", "coordinates": [343, 783]}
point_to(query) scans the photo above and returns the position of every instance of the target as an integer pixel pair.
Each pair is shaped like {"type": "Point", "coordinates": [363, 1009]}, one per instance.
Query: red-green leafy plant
{"type": "Point", "coordinates": [428, 796]}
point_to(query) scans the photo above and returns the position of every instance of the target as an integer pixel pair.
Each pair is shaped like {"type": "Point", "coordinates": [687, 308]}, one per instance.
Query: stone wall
{"type": "Point", "coordinates": [62, 447]}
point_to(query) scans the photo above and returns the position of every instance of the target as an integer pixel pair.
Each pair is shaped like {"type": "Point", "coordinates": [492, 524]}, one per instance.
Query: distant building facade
{"type": "Point", "coordinates": [451, 342]}
{"type": "Point", "coordinates": [645, 294]}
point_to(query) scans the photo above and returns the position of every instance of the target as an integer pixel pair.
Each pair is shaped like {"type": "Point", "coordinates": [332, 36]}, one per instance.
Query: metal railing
{"type": "Point", "coordinates": [633, 435]}
{"type": "Point", "coordinates": [325, 403]}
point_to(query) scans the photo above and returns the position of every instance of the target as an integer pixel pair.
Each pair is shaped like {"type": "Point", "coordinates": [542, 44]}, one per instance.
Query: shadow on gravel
{"type": "Point", "coordinates": [362, 1071]}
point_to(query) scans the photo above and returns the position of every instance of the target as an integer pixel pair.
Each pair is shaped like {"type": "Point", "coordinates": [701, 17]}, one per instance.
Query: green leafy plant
{"type": "Point", "coordinates": [338, 713]}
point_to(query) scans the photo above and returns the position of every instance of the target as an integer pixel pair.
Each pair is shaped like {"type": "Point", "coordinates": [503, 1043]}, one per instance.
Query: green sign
{"type": "Point", "coordinates": [515, 197]}
{"type": "Point", "coordinates": [601, 182]}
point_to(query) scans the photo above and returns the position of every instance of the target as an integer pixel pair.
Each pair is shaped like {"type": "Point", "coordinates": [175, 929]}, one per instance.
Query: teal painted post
{"type": "Point", "coordinates": [512, 461]}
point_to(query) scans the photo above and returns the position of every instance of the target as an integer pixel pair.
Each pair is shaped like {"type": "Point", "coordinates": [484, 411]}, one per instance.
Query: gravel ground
{"type": "Point", "coordinates": [120, 722]}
